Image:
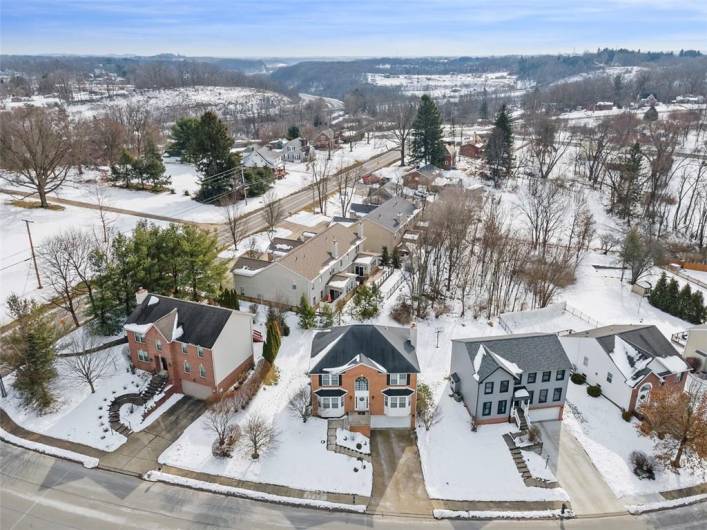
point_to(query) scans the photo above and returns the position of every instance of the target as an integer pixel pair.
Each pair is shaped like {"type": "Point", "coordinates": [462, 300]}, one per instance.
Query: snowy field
{"type": "Point", "coordinates": [299, 459]}
{"type": "Point", "coordinates": [449, 86]}
{"type": "Point", "coordinates": [609, 440]}
{"type": "Point", "coordinates": [76, 416]}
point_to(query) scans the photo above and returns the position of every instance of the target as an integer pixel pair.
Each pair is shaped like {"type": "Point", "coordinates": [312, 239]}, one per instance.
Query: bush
{"type": "Point", "coordinates": [642, 465]}
{"type": "Point", "coordinates": [578, 379]}
{"type": "Point", "coordinates": [594, 390]}
{"type": "Point", "coordinates": [626, 415]}
{"type": "Point", "coordinates": [402, 313]}
{"type": "Point", "coordinates": [534, 434]}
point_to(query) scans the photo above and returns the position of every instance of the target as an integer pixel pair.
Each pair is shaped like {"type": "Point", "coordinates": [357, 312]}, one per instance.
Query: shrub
{"type": "Point", "coordinates": [594, 390]}
{"type": "Point", "coordinates": [626, 415]}
{"type": "Point", "coordinates": [642, 465]}
{"type": "Point", "coordinates": [534, 434]}
{"type": "Point", "coordinates": [578, 379]}
{"type": "Point", "coordinates": [402, 313]}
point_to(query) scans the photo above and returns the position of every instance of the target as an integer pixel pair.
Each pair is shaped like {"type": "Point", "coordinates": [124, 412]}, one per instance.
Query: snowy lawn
{"type": "Point", "coordinates": [299, 459]}
{"type": "Point", "coordinates": [609, 440]}
{"type": "Point", "coordinates": [459, 464]}
{"type": "Point", "coordinates": [353, 440]}
{"type": "Point", "coordinates": [78, 415]}
{"type": "Point", "coordinates": [537, 466]}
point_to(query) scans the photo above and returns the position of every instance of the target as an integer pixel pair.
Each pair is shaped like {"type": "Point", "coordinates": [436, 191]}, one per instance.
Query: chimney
{"type": "Point", "coordinates": [359, 230]}
{"type": "Point", "coordinates": [334, 249]}
{"type": "Point", "coordinates": [140, 295]}
{"type": "Point", "coordinates": [413, 335]}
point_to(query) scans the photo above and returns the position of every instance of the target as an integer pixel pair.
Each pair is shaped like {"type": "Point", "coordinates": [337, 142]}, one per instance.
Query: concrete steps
{"type": "Point", "coordinates": [331, 444]}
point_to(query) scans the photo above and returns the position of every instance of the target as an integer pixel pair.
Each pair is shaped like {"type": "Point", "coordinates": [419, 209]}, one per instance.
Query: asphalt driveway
{"type": "Point", "coordinates": [398, 485]}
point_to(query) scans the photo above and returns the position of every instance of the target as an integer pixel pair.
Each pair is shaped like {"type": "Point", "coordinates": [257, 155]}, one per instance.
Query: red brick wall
{"type": "Point", "coordinates": [653, 380]}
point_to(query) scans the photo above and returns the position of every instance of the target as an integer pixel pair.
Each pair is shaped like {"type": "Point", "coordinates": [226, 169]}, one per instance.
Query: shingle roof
{"type": "Point", "coordinates": [646, 338]}
{"type": "Point", "coordinates": [530, 352]}
{"type": "Point", "coordinates": [201, 324]}
{"type": "Point", "coordinates": [386, 346]}
{"type": "Point", "coordinates": [393, 213]}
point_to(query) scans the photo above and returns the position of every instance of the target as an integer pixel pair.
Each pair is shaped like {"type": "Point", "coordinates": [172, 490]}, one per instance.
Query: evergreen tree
{"type": "Point", "coordinates": [211, 151]}
{"type": "Point", "coordinates": [385, 257]}
{"type": "Point", "coordinates": [121, 173]}
{"type": "Point", "coordinates": [499, 148]}
{"type": "Point", "coordinates": [259, 180]}
{"type": "Point", "coordinates": [366, 302]}
{"type": "Point", "coordinates": [651, 114]}
{"type": "Point", "coordinates": [672, 298]}
{"type": "Point", "coordinates": [395, 260]}
{"type": "Point", "coordinates": [484, 107]}
{"type": "Point", "coordinates": [307, 314]}
{"type": "Point", "coordinates": [698, 313]}
{"type": "Point", "coordinates": [272, 341]}
{"type": "Point", "coordinates": [203, 270]}
{"type": "Point", "coordinates": [292, 132]}
{"type": "Point", "coordinates": [149, 170]}
{"type": "Point", "coordinates": [427, 146]}
{"type": "Point", "coordinates": [629, 194]}
{"type": "Point", "coordinates": [229, 298]}
{"type": "Point", "coordinates": [684, 304]}
{"type": "Point", "coordinates": [182, 135]}
{"type": "Point", "coordinates": [657, 297]}
{"type": "Point", "coordinates": [327, 315]}
{"type": "Point", "coordinates": [29, 350]}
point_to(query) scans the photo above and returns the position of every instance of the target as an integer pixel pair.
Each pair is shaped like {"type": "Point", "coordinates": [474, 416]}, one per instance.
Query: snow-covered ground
{"type": "Point", "coordinates": [449, 86]}
{"type": "Point", "coordinates": [353, 440]}
{"type": "Point", "coordinates": [459, 464]}
{"type": "Point", "coordinates": [78, 415]}
{"type": "Point", "coordinates": [537, 465]}
{"type": "Point", "coordinates": [299, 459]}
{"type": "Point", "coordinates": [609, 440]}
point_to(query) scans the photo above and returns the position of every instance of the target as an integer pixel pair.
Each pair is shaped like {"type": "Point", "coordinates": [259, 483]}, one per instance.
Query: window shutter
{"type": "Point", "coordinates": [338, 380]}
{"type": "Point", "coordinates": [408, 380]}
{"type": "Point", "coordinates": [387, 379]}
{"type": "Point", "coordinates": [320, 379]}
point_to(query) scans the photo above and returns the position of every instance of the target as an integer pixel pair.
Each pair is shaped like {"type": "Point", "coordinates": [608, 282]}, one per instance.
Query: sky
{"type": "Point", "coordinates": [318, 28]}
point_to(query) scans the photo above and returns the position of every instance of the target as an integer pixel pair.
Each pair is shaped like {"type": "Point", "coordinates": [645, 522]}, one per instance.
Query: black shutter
{"type": "Point", "coordinates": [320, 379]}
{"type": "Point", "coordinates": [387, 379]}
{"type": "Point", "coordinates": [338, 380]}
{"type": "Point", "coordinates": [408, 382]}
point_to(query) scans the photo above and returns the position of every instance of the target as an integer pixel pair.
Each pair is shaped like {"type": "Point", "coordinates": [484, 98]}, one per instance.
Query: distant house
{"type": "Point", "coordinates": [696, 346]}
{"type": "Point", "coordinates": [366, 374]}
{"type": "Point", "coordinates": [688, 99]}
{"type": "Point", "coordinates": [386, 225]}
{"type": "Point", "coordinates": [471, 150]}
{"type": "Point", "coordinates": [315, 268]}
{"type": "Point", "coordinates": [421, 178]}
{"type": "Point", "coordinates": [626, 360]}
{"type": "Point", "coordinates": [297, 150]}
{"type": "Point", "coordinates": [325, 139]}
{"type": "Point", "coordinates": [261, 157]}
{"type": "Point", "coordinates": [381, 194]}
{"type": "Point", "coordinates": [604, 105]}
{"type": "Point", "coordinates": [450, 157]}
{"type": "Point", "coordinates": [201, 349]}
{"type": "Point", "coordinates": [520, 378]}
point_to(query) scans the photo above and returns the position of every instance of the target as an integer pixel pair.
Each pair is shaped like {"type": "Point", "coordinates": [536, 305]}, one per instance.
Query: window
{"type": "Point", "coordinates": [361, 383]}
{"type": "Point", "coordinates": [502, 407]}
{"type": "Point", "coordinates": [396, 402]}
{"type": "Point", "coordinates": [294, 286]}
{"type": "Point", "coordinates": [530, 396]}
{"type": "Point", "coordinates": [487, 409]}
{"type": "Point", "coordinates": [504, 386]}
{"type": "Point", "coordinates": [398, 379]}
{"type": "Point", "coordinates": [200, 351]}
{"type": "Point", "coordinates": [532, 377]}
{"type": "Point", "coordinates": [585, 361]}
{"type": "Point", "coordinates": [139, 337]}
{"type": "Point", "coordinates": [557, 394]}
{"type": "Point", "coordinates": [158, 345]}
{"type": "Point", "coordinates": [187, 367]}
{"type": "Point", "coordinates": [331, 402]}
{"type": "Point", "coordinates": [542, 398]}
{"type": "Point", "coordinates": [329, 380]}
{"type": "Point", "coordinates": [143, 356]}
{"type": "Point", "coordinates": [609, 377]}
{"type": "Point", "coordinates": [202, 371]}
{"type": "Point", "coordinates": [560, 376]}
{"type": "Point", "coordinates": [185, 348]}
{"type": "Point", "coordinates": [488, 388]}
{"type": "Point", "coordinates": [546, 376]}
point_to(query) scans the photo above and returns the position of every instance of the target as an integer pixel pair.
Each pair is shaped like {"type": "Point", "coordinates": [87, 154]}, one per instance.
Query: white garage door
{"type": "Point", "coordinates": [545, 414]}
{"type": "Point", "coordinates": [196, 390]}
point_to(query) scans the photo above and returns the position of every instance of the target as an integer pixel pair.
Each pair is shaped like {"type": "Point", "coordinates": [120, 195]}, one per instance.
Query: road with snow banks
{"type": "Point", "coordinates": [38, 491]}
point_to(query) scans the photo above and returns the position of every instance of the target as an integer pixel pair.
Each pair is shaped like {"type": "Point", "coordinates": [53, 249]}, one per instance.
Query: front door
{"type": "Point", "coordinates": [361, 394]}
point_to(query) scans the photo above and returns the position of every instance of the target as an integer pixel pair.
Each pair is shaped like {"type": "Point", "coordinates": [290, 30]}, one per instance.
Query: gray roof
{"type": "Point", "coordinates": [362, 208]}
{"type": "Point", "coordinates": [386, 346]}
{"type": "Point", "coordinates": [393, 213]}
{"type": "Point", "coordinates": [647, 339]}
{"type": "Point", "coordinates": [201, 324]}
{"type": "Point", "coordinates": [532, 352]}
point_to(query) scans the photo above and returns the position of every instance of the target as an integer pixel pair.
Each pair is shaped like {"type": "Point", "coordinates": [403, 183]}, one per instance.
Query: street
{"type": "Point", "coordinates": [40, 492]}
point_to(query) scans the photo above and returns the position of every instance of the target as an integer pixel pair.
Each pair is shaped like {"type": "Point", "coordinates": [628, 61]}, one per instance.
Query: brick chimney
{"type": "Point", "coordinates": [359, 230]}
{"type": "Point", "coordinates": [334, 249]}
{"type": "Point", "coordinates": [140, 295]}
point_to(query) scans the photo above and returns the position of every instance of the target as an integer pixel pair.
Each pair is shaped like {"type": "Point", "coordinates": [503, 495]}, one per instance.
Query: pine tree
{"type": "Point", "coordinates": [698, 313]}
{"type": "Point", "coordinates": [385, 257]}
{"type": "Point", "coordinates": [292, 132]}
{"type": "Point", "coordinates": [684, 304]}
{"type": "Point", "coordinates": [499, 148]}
{"type": "Point", "coordinates": [229, 298]}
{"type": "Point", "coordinates": [657, 297]}
{"type": "Point", "coordinates": [272, 341]}
{"type": "Point", "coordinates": [396, 258]}
{"type": "Point", "coordinates": [183, 133]}
{"type": "Point", "coordinates": [29, 351]}
{"type": "Point", "coordinates": [211, 150]}
{"type": "Point", "coordinates": [672, 298]}
{"type": "Point", "coordinates": [427, 146]}
{"type": "Point", "coordinates": [121, 173]}
{"type": "Point", "coordinates": [307, 314]}
{"type": "Point", "coordinates": [198, 253]}
{"type": "Point", "coordinates": [149, 170]}
{"type": "Point", "coordinates": [327, 315]}
{"type": "Point", "coordinates": [651, 114]}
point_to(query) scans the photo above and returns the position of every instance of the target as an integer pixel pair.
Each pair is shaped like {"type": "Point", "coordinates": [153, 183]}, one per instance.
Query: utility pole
{"type": "Point", "coordinates": [34, 257]}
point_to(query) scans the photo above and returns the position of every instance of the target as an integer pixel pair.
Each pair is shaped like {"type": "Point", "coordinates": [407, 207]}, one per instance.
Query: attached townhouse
{"type": "Point", "coordinates": [696, 347]}
{"type": "Point", "coordinates": [507, 378]}
{"type": "Point", "coordinates": [201, 349]}
{"type": "Point", "coordinates": [320, 268]}
{"type": "Point", "coordinates": [366, 374]}
{"type": "Point", "coordinates": [386, 225]}
{"type": "Point", "coordinates": [626, 360]}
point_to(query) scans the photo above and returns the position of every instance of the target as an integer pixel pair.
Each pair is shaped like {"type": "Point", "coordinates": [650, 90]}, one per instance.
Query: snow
{"type": "Point", "coordinates": [138, 328]}
{"type": "Point", "coordinates": [164, 407]}
{"type": "Point", "coordinates": [201, 485]}
{"type": "Point", "coordinates": [637, 509]}
{"type": "Point", "coordinates": [537, 466]}
{"type": "Point", "coordinates": [299, 459]}
{"type": "Point", "coordinates": [351, 440]}
{"type": "Point", "coordinates": [87, 461]}
{"type": "Point", "coordinates": [452, 457]}
{"type": "Point", "coordinates": [308, 219]}
{"type": "Point", "coordinates": [609, 440]}
{"type": "Point", "coordinates": [498, 514]}
{"type": "Point", "coordinates": [153, 300]}
{"type": "Point", "coordinates": [75, 416]}
{"type": "Point", "coordinates": [700, 276]}
{"type": "Point", "coordinates": [550, 319]}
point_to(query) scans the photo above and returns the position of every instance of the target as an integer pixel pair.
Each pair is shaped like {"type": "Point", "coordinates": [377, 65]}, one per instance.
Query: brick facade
{"type": "Point", "coordinates": [675, 379]}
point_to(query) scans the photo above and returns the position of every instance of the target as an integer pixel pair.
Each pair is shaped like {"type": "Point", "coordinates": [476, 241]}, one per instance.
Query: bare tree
{"type": "Point", "coordinates": [218, 419]}
{"type": "Point", "coordinates": [346, 180]}
{"type": "Point", "coordinates": [56, 256]}
{"type": "Point", "coordinates": [402, 116]}
{"type": "Point", "coordinates": [548, 144]}
{"type": "Point", "coordinates": [35, 145]}
{"type": "Point", "coordinates": [543, 206]}
{"type": "Point", "coordinates": [301, 403]}
{"type": "Point", "coordinates": [236, 224]}
{"type": "Point", "coordinates": [272, 212]}
{"type": "Point", "coordinates": [85, 365]}
{"type": "Point", "coordinates": [100, 202]}
{"type": "Point", "coordinates": [320, 182]}
{"type": "Point", "coordinates": [259, 434]}
{"type": "Point", "coordinates": [594, 150]}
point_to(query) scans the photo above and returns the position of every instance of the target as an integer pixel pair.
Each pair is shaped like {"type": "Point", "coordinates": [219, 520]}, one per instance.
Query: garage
{"type": "Point", "coordinates": [196, 390]}
{"type": "Point", "coordinates": [545, 414]}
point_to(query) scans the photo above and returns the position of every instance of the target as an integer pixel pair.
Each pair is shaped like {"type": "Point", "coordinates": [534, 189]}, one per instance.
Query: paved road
{"type": "Point", "coordinates": [41, 492]}
{"type": "Point", "coordinates": [574, 470]}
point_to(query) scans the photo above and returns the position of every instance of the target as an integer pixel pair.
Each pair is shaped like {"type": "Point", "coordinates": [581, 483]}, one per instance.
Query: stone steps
{"type": "Point", "coordinates": [331, 445]}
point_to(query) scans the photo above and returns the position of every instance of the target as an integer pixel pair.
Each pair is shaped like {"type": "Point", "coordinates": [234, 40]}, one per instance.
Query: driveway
{"type": "Point", "coordinates": [139, 454]}
{"type": "Point", "coordinates": [398, 485]}
{"type": "Point", "coordinates": [576, 473]}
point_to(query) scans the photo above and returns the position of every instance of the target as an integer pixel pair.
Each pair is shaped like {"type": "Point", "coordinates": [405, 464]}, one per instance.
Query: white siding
{"type": "Point", "coordinates": [544, 414]}
{"type": "Point", "coordinates": [274, 283]}
{"type": "Point", "coordinates": [234, 346]}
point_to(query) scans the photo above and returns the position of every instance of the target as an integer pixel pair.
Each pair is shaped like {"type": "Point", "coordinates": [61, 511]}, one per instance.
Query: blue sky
{"type": "Point", "coordinates": [246, 28]}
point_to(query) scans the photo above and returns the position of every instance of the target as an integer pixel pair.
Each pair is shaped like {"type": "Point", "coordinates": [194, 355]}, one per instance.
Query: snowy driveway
{"type": "Point", "coordinates": [574, 470]}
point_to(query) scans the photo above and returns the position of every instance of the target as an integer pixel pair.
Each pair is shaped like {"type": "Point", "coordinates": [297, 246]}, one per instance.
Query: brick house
{"type": "Point", "coordinates": [626, 360]}
{"type": "Point", "coordinates": [325, 139]}
{"type": "Point", "coordinates": [366, 374]}
{"type": "Point", "coordinates": [201, 349]}
{"type": "Point", "coordinates": [471, 150]}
